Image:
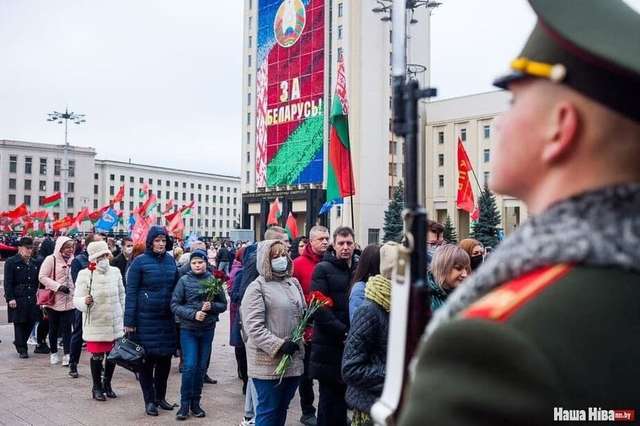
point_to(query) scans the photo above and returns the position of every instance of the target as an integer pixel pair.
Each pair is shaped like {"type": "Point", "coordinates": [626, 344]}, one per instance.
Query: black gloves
{"type": "Point", "coordinates": [64, 289]}
{"type": "Point", "coordinates": [289, 348]}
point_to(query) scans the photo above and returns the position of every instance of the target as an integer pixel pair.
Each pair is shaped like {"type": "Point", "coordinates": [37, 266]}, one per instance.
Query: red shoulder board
{"type": "Point", "coordinates": [501, 303]}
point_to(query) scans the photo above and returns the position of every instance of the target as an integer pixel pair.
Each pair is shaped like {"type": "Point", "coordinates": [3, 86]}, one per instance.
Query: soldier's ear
{"type": "Point", "coordinates": [562, 132]}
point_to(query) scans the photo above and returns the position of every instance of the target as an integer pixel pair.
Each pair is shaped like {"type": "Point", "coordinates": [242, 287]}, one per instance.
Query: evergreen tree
{"type": "Point", "coordinates": [487, 228]}
{"type": "Point", "coordinates": [393, 225]}
{"type": "Point", "coordinates": [450, 234]}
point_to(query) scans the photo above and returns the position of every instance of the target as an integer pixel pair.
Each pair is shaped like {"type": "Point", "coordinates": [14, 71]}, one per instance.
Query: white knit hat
{"type": "Point", "coordinates": [97, 249]}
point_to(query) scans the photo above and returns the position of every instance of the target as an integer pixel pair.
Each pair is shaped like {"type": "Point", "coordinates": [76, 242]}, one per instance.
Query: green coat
{"type": "Point", "coordinates": [574, 344]}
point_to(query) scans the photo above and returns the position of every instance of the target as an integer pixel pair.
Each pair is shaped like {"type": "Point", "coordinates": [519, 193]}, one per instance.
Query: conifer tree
{"type": "Point", "coordinates": [449, 233]}
{"type": "Point", "coordinates": [487, 228]}
{"type": "Point", "coordinates": [393, 224]}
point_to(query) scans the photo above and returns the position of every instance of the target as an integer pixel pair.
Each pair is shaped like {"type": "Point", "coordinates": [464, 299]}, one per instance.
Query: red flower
{"type": "Point", "coordinates": [325, 301]}
{"type": "Point", "coordinates": [91, 266]}
{"type": "Point", "coordinates": [219, 275]}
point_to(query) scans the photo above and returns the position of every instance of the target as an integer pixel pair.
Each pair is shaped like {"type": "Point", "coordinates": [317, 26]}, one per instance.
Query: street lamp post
{"type": "Point", "coordinates": [77, 119]}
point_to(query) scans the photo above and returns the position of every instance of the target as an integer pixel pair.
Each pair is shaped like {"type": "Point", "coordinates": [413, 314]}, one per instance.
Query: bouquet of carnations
{"type": "Point", "coordinates": [91, 267]}
{"type": "Point", "coordinates": [212, 286]}
{"type": "Point", "coordinates": [315, 301]}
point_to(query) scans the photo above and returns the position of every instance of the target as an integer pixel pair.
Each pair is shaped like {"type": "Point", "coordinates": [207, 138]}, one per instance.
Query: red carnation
{"type": "Point", "coordinates": [92, 266]}
{"type": "Point", "coordinates": [323, 300]}
{"type": "Point", "coordinates": [219, 275]}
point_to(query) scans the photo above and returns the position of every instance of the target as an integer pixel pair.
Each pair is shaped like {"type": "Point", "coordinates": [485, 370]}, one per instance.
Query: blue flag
{"type": "Point", "coordinates": [326, 207]}
{"type": "Point", "coordinates": [108, 220]}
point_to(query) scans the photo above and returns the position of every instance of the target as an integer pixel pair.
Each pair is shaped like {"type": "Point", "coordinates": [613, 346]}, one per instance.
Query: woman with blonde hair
{"type": "Point", "coordinates": [475, 250]}
{"type": "Point", "coordinates": [449, 267]}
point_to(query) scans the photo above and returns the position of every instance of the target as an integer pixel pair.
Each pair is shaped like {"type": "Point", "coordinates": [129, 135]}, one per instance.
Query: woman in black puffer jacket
{"type": "Point", "coordinates": [365, 352]}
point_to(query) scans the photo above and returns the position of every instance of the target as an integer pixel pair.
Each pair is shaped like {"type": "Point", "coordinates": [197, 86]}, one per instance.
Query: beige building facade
{"type": "Point", "coordinates": [470, 118]}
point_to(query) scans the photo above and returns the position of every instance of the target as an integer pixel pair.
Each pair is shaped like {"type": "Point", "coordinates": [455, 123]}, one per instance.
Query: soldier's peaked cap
{"type": "Point", "coordinates": [592, 46]}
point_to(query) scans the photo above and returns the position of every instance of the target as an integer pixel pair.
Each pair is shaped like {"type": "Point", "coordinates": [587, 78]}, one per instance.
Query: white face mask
{"type": "Point", "coordinates": [103, 265]}
{"type": "Point", "coordinates": [279, 264]}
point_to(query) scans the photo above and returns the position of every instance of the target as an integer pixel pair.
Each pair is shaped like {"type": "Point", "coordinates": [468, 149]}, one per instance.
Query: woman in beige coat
{"type": "Point", "coordinates": [100, 296]}
{"type": "Point", "coordinates": [271, 308]}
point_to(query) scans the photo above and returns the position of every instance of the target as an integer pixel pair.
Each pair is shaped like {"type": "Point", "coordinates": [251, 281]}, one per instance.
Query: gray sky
{"type": "Point", "coordinates": [160, 80]}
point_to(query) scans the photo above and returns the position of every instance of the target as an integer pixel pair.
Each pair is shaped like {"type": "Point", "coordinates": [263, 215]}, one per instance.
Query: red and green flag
{"type": "Point", "coordinates": [339, 170]}
{"type": "Point", "coordinates": [275, 212]}
{"type": "Point", "coordinates": [144, 191]}
{"type": "Point", "coordinates": [20, 211]}
{"type": "Point", "coordinates": [52, 200]}
{"type": "Point", "coordinates": [292, 226]}
{"type": "Point", "coordinates": [119, 196]}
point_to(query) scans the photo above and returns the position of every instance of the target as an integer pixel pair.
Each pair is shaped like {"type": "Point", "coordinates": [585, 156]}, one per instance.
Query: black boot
{"type": "Point", "coordinates": [166, 406]}
{"type": "Point", "coordinates": [183, 412]}
{"type": "Point", "coordinates": [42, 348]}
{"type": "Point", "coordinates": [96, 375]}
{"type": "Point", "coordinates": [106, 383]}
{"type": "Point", "coordinates": [196, 410]}
{"type": "Point", "coordinates": [73, 370]}
{"type": "Point", "coordinates": [151, 409]}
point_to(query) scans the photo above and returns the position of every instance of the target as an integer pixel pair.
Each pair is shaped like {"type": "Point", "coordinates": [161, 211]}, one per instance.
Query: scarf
{"type": "Point", "coordinates": [378, 290]}
{"type": "Point", "coordinates": [599, 228]}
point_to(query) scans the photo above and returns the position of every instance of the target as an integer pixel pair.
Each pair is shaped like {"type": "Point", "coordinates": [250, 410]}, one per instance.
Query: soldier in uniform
{"type": "Point", "coordinates": [550, 322]}
{"type": "Point", "coordinates": [20, 286]}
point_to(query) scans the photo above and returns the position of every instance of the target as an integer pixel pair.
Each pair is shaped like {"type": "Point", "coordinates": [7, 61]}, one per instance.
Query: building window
{"type": "Point", "coordinates": [235, 200]}
{"type": "Point", "coordinates": [27, 165]}
{"type": "Point", "coordinates": [12, 183]}
{"type": "Point", "coordinates": [184, 185]}
{"type": "Point", "coordinates": [339, 32]}
{"type": "Point", "coordinates": [95, 189]}
{"type": "Point", "coordinates": [463, 134]}
{"type": "Point", "coordinates": [340, 11]}
{"type": "Point", "coordinates": [486, 178]}
{"type": "Point", "coordinates": [441, 181]}
{"type": "Point", "coordinates": [249, 79]}
{"type": "Point", "coordinates": [199, 199]}
{"type": "Point", "coordinates": [175, 183]}
{"type": "Point", "coordinates": [43, 185]}
{"type": "Point", "coordinates": [249, 61]}
{"type": "Point", "coordinates": [250, 41]}
{"type": "Point", "coordinates": [27, 184]}
{"type": "Point", "coordinates": [227, 225]}
{"type": "Point", "coordinates": [131, 206]}
{"type": "Point", "coordinates": [206, 210]}
{"type": "Point", "coordinates": [487, 155]}
{"type": "Point", "coordinates": [440, 138]}
{"type": "Point", "coordinates": [40, 200]}
{"type": "Point", "coordinates": [248, 119]}
{"type": "Point", "coordinates": [393, 170]}
{"type": "Point", "coordinates": [167, 194]}
{"type": "Point", "coordinates": [112, 190]}
{"type": "Point", "coordinates": [374, 235]}
{"type": "Point", "coordinates": [95, 175]}
{"type": "Point", "coordinates": [249, 99]}
{"type": "Point", "coordinates": [247, 181]}
{"type": "Point", "coordinates": [393, 147]}
{"type": "Point", "coordinates": [487, 131]}
{"type": "Point", "coordinates": [12, 199]}
{"type": "Point", "coordinates": [191, 197]}
{"type": "Point", "coordinates": [184, 196]}
{"type": "Point", "coordinates": [235, 190]}
{"type": "Point", "coordinates": [43, 167]}
{"type": "Point", "coordinates": [13, 163]}
{"type": "Point", "coordinates": [340, 52]}
{"type": "Point", "coordinates": [175, 195]}
{"type": "Point", "coordinates": [220, 211]}
{"type": "Point", "coordinates": [250, 22]}
{"type": "Point", "coordinates": [112, 177]}
{"type": "Point", "coordinates": [57, 167]}
{"type": "Point", "coordinates": [72, 168]}
{"type": "Point", "coordinates": [131, 179]}
{"type": "Point", "coordinates": [121, 178]}
{"type": "Point", "coordinates": [70, 202]}
{"type": "Point", "coordinates": [130, 192]}
{"type": "Point", "coordinates": [150, 181]}
{"type": "Point", "coordinates": [95, 204]}
{"type": "Point", "coordinates": [159, 193]}
{"type": "Point", "coordinates": [56, 185]}
{"type": "Point", "coordinates": [167, 183]}
{"type": "Point", "coordinates": [214, 197]}
{"type": "Point", "coordinates": [192, 186]}
{"type": "Point", "coordinates": [440, 160]}
{"type": "Point", "coordinates": [71, 186]}
{"type": "Point", "coordinates": [248, 138]}
{"type": "Point", "coordinates": [141, 180]}
{"type": "Point", "coordinates": [214, 187]}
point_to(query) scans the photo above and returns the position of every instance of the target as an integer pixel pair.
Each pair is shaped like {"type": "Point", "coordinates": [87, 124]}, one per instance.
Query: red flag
{"type": "Point", "coordinates": [17, 213]}
{"type": "Point", "coordinates": [62, 223]}
{"type": "Point", "coordinates": [176, 225]}
{"type": "Point", "coordinates": [168, 207]}
{"type": "Point", "coordinates": [465, 192]}
{"type": "Point", "coordinates": [141, 228]}
{"type": "Point", "coordinates": [274, 212]}
{"type": "Point", "coordinates": [119, 196]}
{"type": "Point", "coordinates": [292, 226]}
{"type": "Point", "coordinates": [40, 215]}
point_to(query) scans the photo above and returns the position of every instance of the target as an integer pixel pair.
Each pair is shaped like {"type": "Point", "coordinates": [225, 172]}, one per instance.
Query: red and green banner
{"type": "Point", "coordinates": [17, 213]}
{"type": "Point", "coordinates": [119, 196]}
{"type": "Point", "coordinates": [339, 170]}
{"type": "Point", "coordinates": [292, 226]}
{"type": "Point", "coordinates": [290, 92]}
{"type": "Point", "coordinates": [52, 200]}
{"type": "Point", "coordinates": [275, 212]}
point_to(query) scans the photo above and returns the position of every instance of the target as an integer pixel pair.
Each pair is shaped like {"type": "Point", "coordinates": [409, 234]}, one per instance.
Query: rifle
{"type": "Point", "coordinates": [411, 304]}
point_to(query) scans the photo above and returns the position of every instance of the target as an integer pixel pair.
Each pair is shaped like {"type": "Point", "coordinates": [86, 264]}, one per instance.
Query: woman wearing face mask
{"type": "Point", "coordinates": [475, 250]}
{"type": "Point", "coordinates": [197, 319]}
{"type": "Point", "coordinates": [449, 267]}
{"type": "Point", "coordinates": [100, 296]}
{"type": "Point", "coordinates": [271, 308]}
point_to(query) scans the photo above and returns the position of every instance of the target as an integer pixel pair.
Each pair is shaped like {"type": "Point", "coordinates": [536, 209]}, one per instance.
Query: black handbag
{"type": "Point", "coordinates": [128, 354]}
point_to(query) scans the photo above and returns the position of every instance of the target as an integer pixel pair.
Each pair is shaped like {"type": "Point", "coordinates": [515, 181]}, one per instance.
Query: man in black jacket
{"type": "Point", "coordinates": [332, 276]}
{"type": "Point", "coordinates": [20, 287]}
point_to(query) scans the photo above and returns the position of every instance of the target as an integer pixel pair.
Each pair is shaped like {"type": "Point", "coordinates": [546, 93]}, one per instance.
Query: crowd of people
{"type": "Point", "coordinates": [92, 292]}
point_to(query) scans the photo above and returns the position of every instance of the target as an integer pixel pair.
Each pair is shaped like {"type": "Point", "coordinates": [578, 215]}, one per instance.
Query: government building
{"type": "Point", "coordinates": [31, 171]}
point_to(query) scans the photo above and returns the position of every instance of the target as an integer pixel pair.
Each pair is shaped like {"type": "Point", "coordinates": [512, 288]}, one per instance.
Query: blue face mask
{"type": "Point", "coordinates": [279, 264]}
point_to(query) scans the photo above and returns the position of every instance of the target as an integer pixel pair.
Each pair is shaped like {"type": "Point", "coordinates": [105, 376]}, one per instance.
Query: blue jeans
{"type": "Point", "coordinates": [273, 400]}
{"type": "Point", "coordinates": [196, 349]}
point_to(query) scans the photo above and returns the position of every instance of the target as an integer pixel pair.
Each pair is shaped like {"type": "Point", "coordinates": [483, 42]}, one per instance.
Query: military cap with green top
{"type": "Point", "coordinates": [592, 46]}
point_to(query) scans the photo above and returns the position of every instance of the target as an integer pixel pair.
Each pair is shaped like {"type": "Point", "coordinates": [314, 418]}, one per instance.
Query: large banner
{"type": "Point", "coordinates": [290, 92]}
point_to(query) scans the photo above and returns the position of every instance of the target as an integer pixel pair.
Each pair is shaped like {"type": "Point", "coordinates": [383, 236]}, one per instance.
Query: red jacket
{"type": "Point", "coordinates": [303, 267]}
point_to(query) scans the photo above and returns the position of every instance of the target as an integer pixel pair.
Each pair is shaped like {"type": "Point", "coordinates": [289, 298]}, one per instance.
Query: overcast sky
{"type": "Point", "coordinates": [160, 80]}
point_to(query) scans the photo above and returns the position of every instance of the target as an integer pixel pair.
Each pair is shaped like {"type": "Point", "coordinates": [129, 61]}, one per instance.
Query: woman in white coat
{"type": "Point", "coordinates": [100, 296]}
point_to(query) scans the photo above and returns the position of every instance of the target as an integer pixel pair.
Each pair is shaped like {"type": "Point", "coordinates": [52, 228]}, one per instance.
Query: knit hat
{"type": "Point", "coordinates": [198, 253]}
{"type": "Point", "coordinates": [97, 249]}
{"type": "Point", "coordinates": [388, 258]}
